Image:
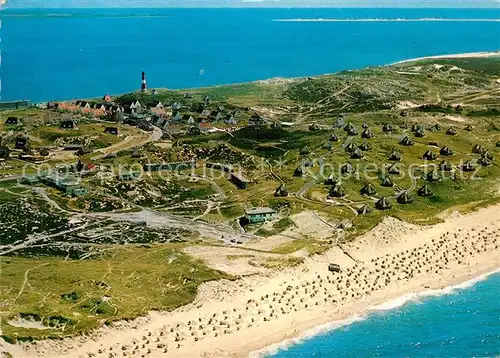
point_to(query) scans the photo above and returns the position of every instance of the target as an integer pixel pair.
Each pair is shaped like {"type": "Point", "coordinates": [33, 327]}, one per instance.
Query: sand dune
{"type": "Point", "coordinates": [232, 319]}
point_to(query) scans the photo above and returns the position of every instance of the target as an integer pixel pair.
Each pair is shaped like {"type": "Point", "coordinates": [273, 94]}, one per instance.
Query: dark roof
{"type": "Point", "coordinates": [259, 211]}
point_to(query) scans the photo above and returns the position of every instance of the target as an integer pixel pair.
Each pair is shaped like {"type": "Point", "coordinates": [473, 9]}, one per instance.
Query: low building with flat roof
{"type": "Point", "coordinates": [259, 214]}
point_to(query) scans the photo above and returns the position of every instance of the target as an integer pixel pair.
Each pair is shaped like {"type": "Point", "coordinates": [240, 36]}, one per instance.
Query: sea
{"type": "Point", "coordinates": [460, 321]}
{"type": "Point", "coordinates": [57, 54]}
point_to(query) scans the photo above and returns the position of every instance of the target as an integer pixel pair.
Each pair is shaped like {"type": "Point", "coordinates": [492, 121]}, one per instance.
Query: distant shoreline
{"type": "Point", "coordinates": [451, 56]}
{"type": "Point", "coordinates": [385, 20]}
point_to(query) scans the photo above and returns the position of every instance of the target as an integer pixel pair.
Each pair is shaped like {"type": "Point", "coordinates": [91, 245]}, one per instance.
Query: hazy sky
{"type": "Point", "coordinates": [250, 3]}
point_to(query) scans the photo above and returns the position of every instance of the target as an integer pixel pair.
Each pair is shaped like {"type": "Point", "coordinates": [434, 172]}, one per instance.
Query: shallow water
{"type": "Point", "coordinates": [459, 322]}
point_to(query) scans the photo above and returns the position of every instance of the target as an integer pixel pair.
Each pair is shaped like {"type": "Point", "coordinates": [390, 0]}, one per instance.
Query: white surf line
{"type": "Point", "coordinates": [451, 56]}
{"type": "Point", "coordinates": [386, 20]}
{"type": "Point", "coordinates": [365, 314]}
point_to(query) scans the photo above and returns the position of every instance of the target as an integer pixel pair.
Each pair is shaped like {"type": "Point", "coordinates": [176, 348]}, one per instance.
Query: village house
{"type": "Point", "coordinates": [22, 143]}
{"type": "Point", "coordinates": [132, 106]}
{"type": "Point", "coordinates": [68, 124]}
{"type": "Point", "coordinates": [188, 119]}
{"type": "Point", "coordinates": [12, 121]}
{"type": "Point", "coordinates": [176, 106]}
{"type": "Point", "coordinates": [4, 152]}
{"type": "Point", "coordinates": [216, 115]}
{"type": "Point", "coordinates": [206, 112]}
{"type": "Point", "coordinates": [205, 126]}
{"type": "Point", "coordinates": [111, 130]}
{"type": "Point", "coordinates": [239, 180]}
{"type": "Point", "coordinates": [256, 120]}
{"type": "Point", "coordinates": [177, 117]}
{"type": "Point", "coordinates": [52, 105]}
{"type": "Point", "coordinates": [230, 119]}
{"type": "Point", "coordinates": [157, 108]}
{"type": "Point", "coordinates": [259, 214]}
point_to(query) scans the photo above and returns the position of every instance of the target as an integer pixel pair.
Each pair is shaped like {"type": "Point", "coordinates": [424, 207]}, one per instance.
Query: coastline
{"type": "Point", "coordinates": [364, 314]}
{"type": "Point", "coordinates": [451, 56]}
{"type": "Point", "coordinates": [252, 316]}
{"type": "Point", "coordinates": [283, 80]}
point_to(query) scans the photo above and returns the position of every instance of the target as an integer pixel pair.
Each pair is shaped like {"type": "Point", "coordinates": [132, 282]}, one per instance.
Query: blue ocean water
{"type": "Point", "coordinates": [64, 54]}
{"type": "Point", "coordinates": [465, 323]}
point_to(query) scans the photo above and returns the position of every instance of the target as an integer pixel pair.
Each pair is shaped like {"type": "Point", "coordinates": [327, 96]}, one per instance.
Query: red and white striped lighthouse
{"type": "Point", "coordinates": [143, 85]}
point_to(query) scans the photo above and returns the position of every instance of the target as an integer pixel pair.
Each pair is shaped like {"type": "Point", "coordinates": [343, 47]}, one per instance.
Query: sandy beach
{"type": "Point", "coordinates": [458, 55]}
{"type": "Point", "coordinates": [238, 318]}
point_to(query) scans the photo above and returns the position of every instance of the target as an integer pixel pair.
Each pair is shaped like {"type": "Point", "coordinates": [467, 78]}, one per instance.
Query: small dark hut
{"type": "Point", "coordinates": [368, 190]}
{"type": "Point", "coordinates": [111, 130]}
{"type": "Point", "coordinates": [420, 133]}
{"type": "Point", "coordinates": [365, 146]}
{"type": "Point", "coordinates": [327, 145]}
{"type": "Point", "coordinates": [67, 124]}
{"type": "Point", "coordinates": [468, 166]}
{"type": "Point", "coordinates": [357, 154]}
{"type": "Point", "coordinates": [478, 149]}
{"type": "Point", "coordinates": [299, 172]}
{"type": "Point", "coordinates": [394, 169]}
{"type": "Point", "coordinates": [347, 169]}
{"type": "Point", "coordinates": [333, 138]}
{"type": "Point", "coordinates": [485, 162]}
{"type": "Point", "coordinates": [331, 180]}
{"type": "Point", "coordinates": [429, 155]}
{"type": "Point", "coordinates": [383, 204]}
{"type": "Point", "coordinates": [365, 209]}
{"type": "Point", "coordinates": [407, 141]}
{"type": "Point", "coordinates": [387, 182]}
{"type": "Point", "coordinates": [446, 151]}
{"type": "Point", "coordinates": [337, 191]}
{"type": "Point", "coordinates": [425, 191]}
{"type": "Point", "coordinates": [281, 191]}
{"type": "Point", "coordinates": [387, 127]}
{"type": "Point", "coordinates": [445, 166]}
{"type": "Point", "coordinates": [12, 121]}
{"type": "Point", "coordinates": [404, 198]}
{"type": "Point", "coordinates": [451, 131]}
{"type": "Point", "coordinates": [433, 176]}
{"type": "Point", "coordinates": [395, 156]}
{"type": "Point", "coordinates": [367, 134]}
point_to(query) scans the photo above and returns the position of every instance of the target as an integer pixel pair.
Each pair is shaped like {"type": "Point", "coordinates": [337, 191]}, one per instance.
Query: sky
{"type": "Point", "coordinates": [250, 3]}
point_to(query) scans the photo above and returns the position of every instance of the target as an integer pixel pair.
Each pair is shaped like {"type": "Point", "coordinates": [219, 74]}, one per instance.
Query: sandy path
{"type": "Point", "coordinates": [231, 319]}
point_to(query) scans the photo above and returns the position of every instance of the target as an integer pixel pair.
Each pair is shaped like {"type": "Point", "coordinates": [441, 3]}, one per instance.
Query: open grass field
{"type": "Point", "coordinates": [127, 282]}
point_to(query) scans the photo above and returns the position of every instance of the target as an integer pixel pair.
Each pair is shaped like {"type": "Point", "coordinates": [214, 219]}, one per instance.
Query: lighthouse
{"type": "Point", "coordinates": [143, 85]}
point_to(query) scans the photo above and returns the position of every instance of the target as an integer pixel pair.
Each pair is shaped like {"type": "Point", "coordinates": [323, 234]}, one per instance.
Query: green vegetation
{"type": "Point", "coordinates": [126, 283]}
{"type": "Point", "coordinates": [67, 276]}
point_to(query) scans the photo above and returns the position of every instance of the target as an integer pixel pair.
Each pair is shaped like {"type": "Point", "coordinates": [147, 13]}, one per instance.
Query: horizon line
{"type": "Point", "coordinates": [253, 6]}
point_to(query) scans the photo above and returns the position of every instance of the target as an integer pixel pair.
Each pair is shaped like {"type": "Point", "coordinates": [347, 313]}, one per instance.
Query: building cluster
{"type": "Point", "coordinates": [68, 185]}
{"type": "Point", "coordinates": [199, 117]}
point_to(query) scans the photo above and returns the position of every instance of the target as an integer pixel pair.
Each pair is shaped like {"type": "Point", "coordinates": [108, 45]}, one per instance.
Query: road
{"type": "Point", "coordinates": [161, 219]}
{"type": "Point", "coordinates": [128, 144]}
